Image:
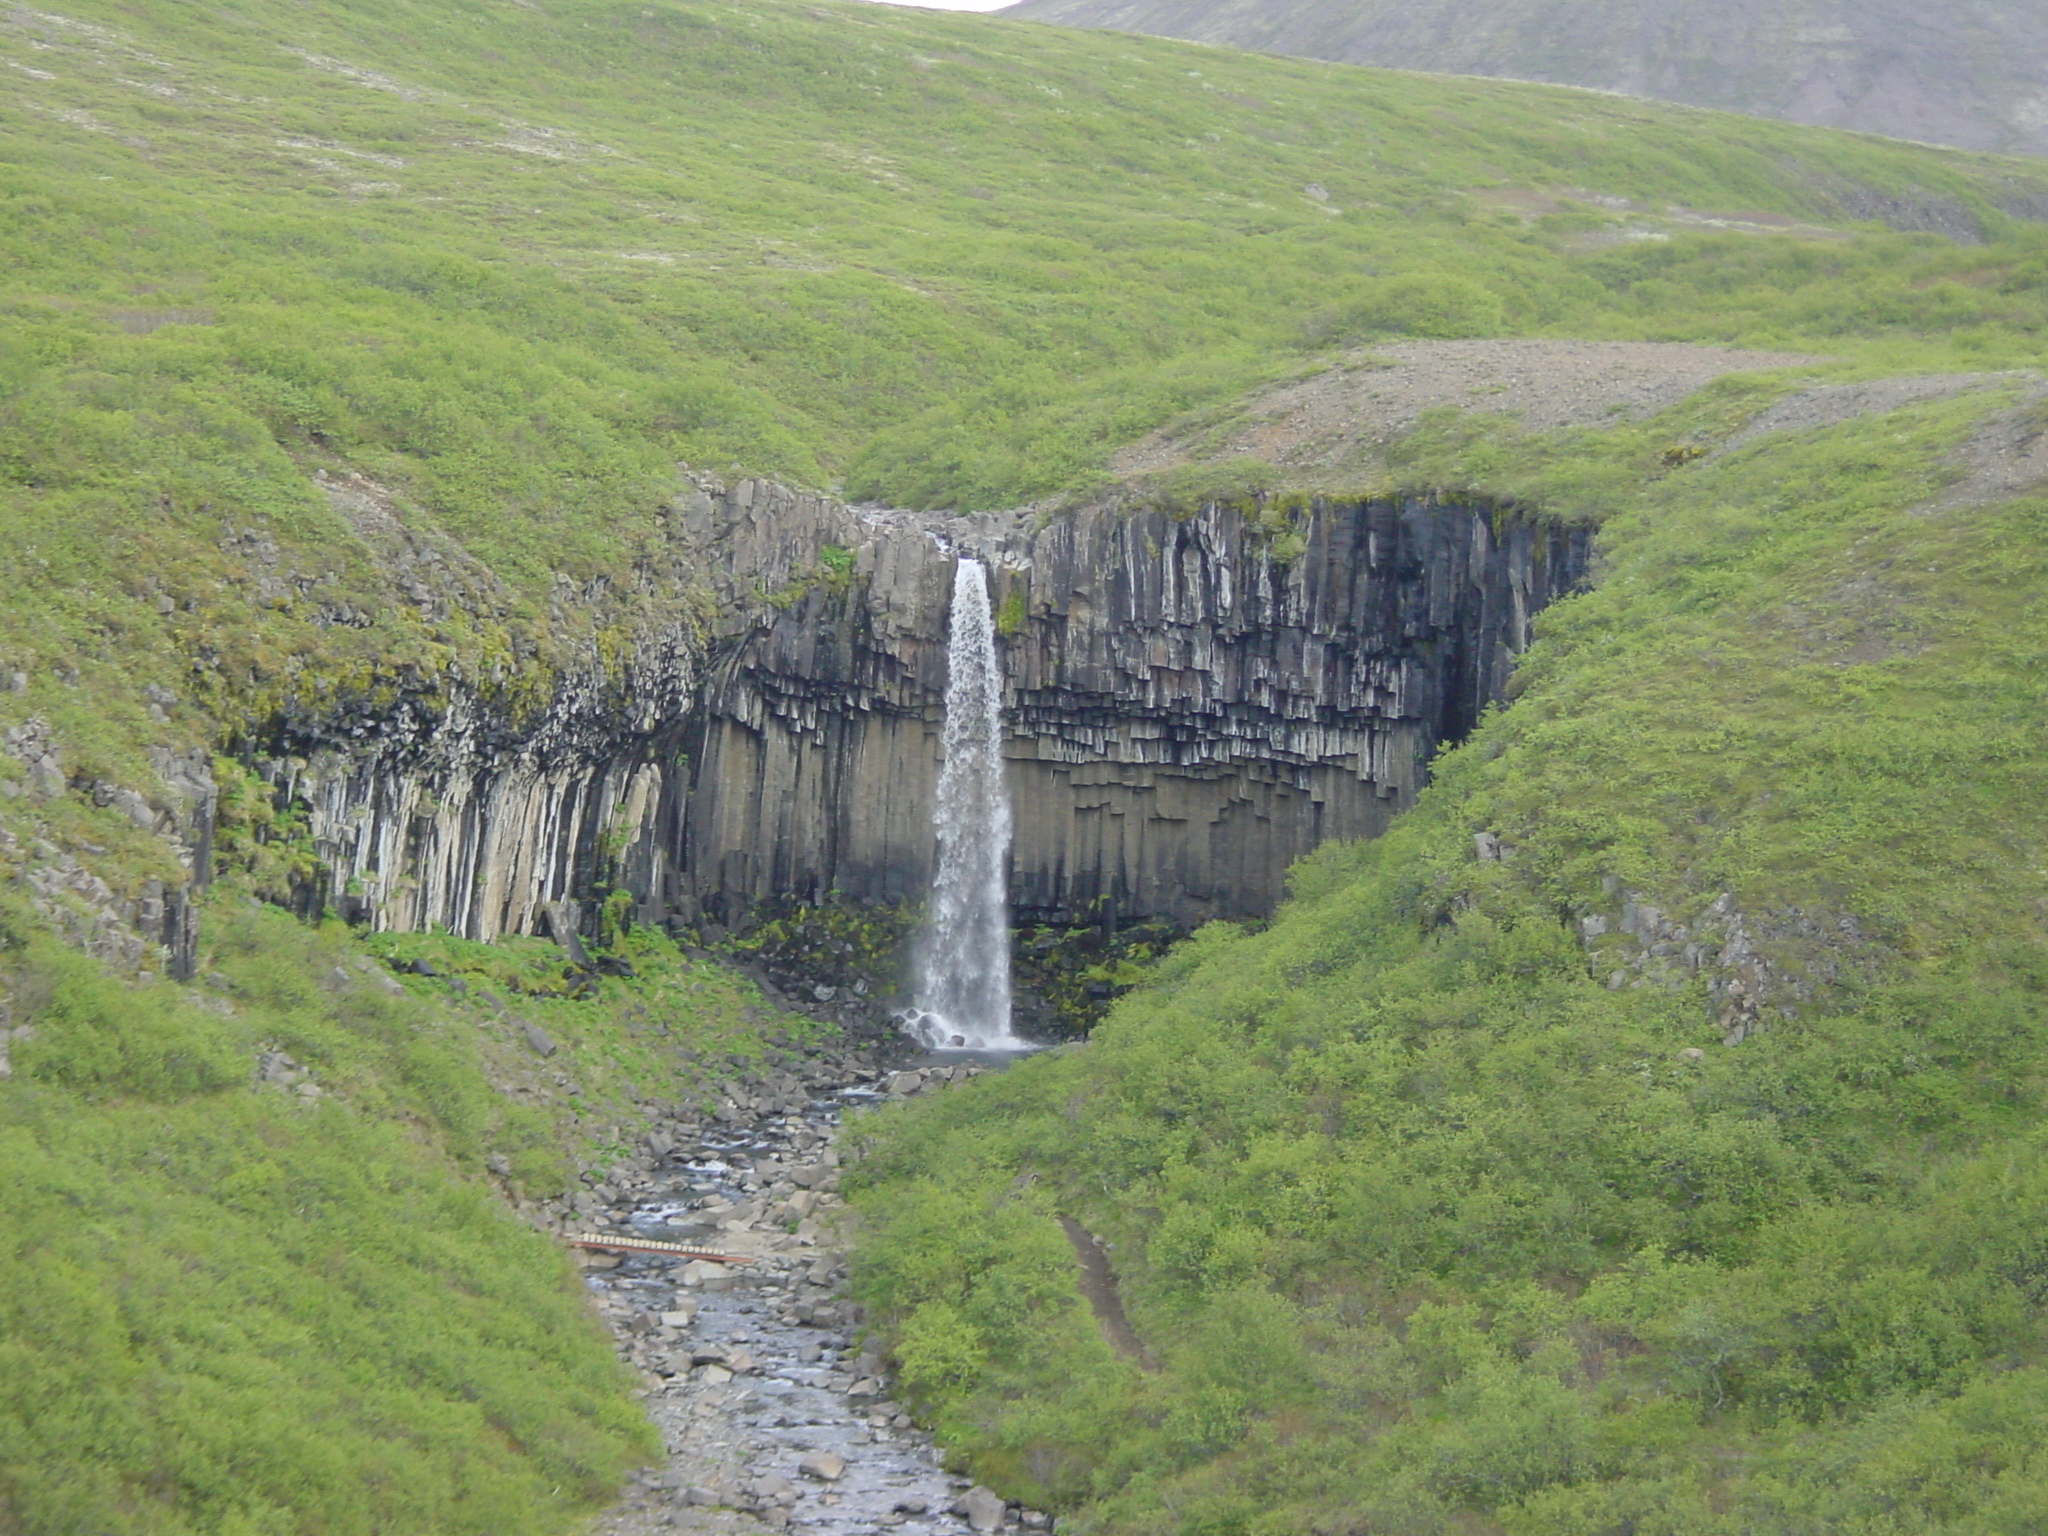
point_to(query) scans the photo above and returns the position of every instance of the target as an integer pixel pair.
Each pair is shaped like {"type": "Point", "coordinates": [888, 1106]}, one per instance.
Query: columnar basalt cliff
{"type": "Point", "coordinates": [1193, 703]}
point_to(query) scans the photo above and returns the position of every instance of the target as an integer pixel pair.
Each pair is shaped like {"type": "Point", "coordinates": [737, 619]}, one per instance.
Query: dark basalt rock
{"type": "Point", "coordinates": [1189, 713]}
{"type": "Point", "coordinates": [1195, 702]}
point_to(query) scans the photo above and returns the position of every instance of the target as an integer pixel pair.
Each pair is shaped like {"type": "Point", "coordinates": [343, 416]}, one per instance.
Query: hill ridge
{"type": "Point", "coordinates": [1969, 73]}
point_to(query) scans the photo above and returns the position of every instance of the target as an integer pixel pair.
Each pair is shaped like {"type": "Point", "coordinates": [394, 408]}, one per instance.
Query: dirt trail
{"type": "Point", "coordinates": [1098, 1284]}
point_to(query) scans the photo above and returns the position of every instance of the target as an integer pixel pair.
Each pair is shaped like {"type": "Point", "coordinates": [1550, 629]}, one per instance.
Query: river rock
{"type": "Point", "coordinates": [983, 1509]}
{"type": "Point", "coordinates": [823, 1467]}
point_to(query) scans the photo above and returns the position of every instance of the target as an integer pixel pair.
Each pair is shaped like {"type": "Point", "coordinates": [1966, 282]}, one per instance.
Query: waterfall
{"type": "Point", "coordinates": [962, 953]}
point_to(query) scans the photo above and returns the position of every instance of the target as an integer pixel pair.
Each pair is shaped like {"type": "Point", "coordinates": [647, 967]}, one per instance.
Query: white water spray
{"type": "Point", "coordinates": [962, 953]}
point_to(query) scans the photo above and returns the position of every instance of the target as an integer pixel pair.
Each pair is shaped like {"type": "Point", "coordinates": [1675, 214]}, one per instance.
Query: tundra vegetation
{"type": "Point", "coordinates": [1424, 1225]}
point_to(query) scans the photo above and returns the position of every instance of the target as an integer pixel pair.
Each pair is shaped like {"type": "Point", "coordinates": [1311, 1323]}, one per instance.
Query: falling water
{"type": "Point", "coordinates": [963, 951]}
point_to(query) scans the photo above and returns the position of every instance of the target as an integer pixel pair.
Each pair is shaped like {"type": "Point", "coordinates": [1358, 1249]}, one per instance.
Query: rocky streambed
{"type": "Point", "coordinates": [773, 1412]}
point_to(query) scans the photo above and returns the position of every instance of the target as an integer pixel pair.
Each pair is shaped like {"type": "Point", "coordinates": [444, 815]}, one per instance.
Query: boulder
{"type": "Point", "coordinates": [983, 1509]}
{"type": "Point", "coordinates": [823, 1467]}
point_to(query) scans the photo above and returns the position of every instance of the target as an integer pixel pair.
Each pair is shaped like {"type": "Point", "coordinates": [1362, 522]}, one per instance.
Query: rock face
{"type": "Point", "coordinates": [1193, 703]}
{"type": "Point", "coordinates": [1189, 712]}
{"type": "Point", "coordinates": [159, 919]}
{"type": "Point", "coordinates": [443, 812]}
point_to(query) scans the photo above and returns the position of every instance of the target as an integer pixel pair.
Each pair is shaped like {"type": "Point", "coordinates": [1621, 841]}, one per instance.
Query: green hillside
{"type": "Point", "coordinates": [1443, 1209]}
{"type": "Point", "coordinates": [934, 259]}
{"type": "Point", "coordinates": [1428, 1227]}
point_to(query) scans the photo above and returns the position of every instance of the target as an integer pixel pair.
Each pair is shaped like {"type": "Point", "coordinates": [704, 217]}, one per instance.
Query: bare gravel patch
{"type": "Point", "coordinates": [1357, 409]}
{"type": "Point", "coordinates": [1829, 405]}
{"type": "Point", "coordinates": [2007, 456]}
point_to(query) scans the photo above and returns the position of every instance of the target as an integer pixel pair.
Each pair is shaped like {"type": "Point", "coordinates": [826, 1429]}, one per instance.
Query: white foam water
{"type": "Point", "coordinates": [962, 954]}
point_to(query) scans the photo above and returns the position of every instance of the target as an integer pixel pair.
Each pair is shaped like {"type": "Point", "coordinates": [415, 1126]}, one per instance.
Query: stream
{"type": "Point", "coordinates": [771, 1414]}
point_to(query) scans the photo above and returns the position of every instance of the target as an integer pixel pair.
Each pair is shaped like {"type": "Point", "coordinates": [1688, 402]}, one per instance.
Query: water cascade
{"type": "Point", "coordinates": [962, 954]}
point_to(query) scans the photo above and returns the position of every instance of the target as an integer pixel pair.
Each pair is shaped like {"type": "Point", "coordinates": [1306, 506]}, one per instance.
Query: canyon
{"type": "Point", "coordinates": [1192, 701]}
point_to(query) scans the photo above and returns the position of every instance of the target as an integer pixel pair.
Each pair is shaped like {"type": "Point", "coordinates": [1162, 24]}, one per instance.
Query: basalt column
{"type": "Point", "coordinates": [1192, 703]}
{"type": "Point", "coordinates": [1198, 705]}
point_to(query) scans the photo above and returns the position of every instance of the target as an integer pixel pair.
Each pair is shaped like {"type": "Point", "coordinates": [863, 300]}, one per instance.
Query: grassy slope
{"type": "Point", "coordinates": [1432, 1229]}
{"type": "Point", "coordinates": [516, 261]}
{"type": "Point", "coordinates": [229, 1308]}
{"type": "Point", "coordinates": [508, 260]}
{"type": "Point", "coordinates": [944, 258]}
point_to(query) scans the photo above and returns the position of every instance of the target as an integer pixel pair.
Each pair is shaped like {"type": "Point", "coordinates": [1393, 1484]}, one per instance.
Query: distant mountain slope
{"type": "Point", "coordinates": [1972, 73]}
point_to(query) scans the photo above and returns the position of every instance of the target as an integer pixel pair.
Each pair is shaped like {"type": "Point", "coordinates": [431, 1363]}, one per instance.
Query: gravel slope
{"type": "Point", "coordinates": [1354, 410]}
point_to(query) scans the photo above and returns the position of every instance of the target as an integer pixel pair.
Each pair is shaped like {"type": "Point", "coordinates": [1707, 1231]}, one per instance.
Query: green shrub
{"type": "Point", "coordinates": [1437, 305]}
{"type": "Point", "coordinates": [95, 1035]}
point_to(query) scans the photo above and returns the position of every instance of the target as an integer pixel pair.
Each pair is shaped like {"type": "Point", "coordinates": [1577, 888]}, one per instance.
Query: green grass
{"type": "Point", "coordinates": [943, 260]}
{"type": "Point", "coordinates": [1414, 1210]}
{"type": "Point", "coordinates": [516, 263]}
{"type": "Point", "coordinates": [1434, 1229]}
{"type": "Point", "coordinates": [228, 1308]}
